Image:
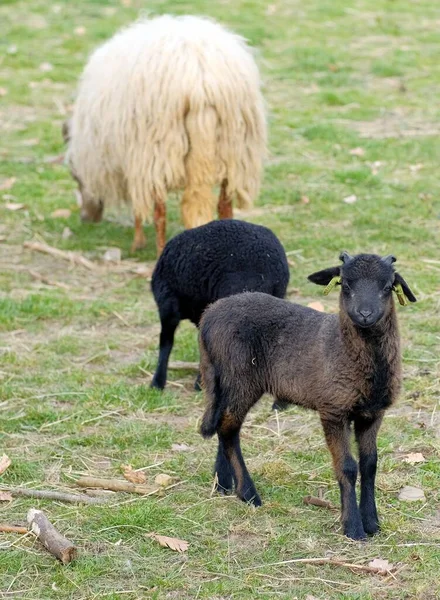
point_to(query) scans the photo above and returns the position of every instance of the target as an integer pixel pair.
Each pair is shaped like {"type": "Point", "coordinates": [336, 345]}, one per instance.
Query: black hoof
{"type": "Point", "coordinates": [355, 532]}
{"type": "Point", "coordinates": [251, 496]}
{"type": "Point", "coordinates": [371, 526]}
{"type": "Point", "coordinates": [223, 491]}
{"type": "Point", "coordinates": [225, 483]}
{"type": "Point", "coordinates": [157, 384]}
{"type": "Point", "coordinates": [197, 385]}
{"type": "Point", "coordinates": [280, 405]}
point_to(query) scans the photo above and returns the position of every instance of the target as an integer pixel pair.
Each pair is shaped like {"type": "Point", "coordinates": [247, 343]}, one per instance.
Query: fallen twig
{"type": "Point", "coordinates": [314, 501]}
{"type": "Point", "coordinates": [52, 495]}
{"type": "Point", "coordinates": [181, 364]}
{"type": "Point", "coordinates": [13, 529]}
{"type": "Point", "coordinates": [70, 256]}
{"type": "Point", "coordinates": [52, 539]}
{"type": "Point", "coordinates": [116, 485]}
{"type": "Point", "coordinates": [325, 561]}
{"type": "Point", "coordinates": [47, 281]}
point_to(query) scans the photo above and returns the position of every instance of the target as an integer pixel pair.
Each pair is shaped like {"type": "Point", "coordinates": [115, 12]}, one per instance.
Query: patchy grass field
{"type": "Point", "coordinates": [76, 361]}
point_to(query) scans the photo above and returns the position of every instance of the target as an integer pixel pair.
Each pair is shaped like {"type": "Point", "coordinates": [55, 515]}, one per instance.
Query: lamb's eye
{"type": "Point", "coordinates": [345, 288]}
{"type": "Point", "coordinates": [387, 289]}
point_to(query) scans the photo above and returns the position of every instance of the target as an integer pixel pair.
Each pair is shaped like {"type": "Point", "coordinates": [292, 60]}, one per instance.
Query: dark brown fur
{"type": "Point", "coordinates": [349, 372]}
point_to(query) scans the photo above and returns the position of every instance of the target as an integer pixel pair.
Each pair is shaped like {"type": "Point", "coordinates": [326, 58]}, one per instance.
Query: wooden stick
{"type": "Point", "coordinates": [70, 256]}
{"type": "Point", "coordinates": [52, 539]}
{"type": "Point", "coordinates": [324, 561]}
{"type": "Point", "coordinates": [314, 501]}
{"type": "Point", "coordinates": [52, 495]}
{"type": "Point", "coordinates": [47, 281]}
{"type": "Point", "coordinates": [181, 364]}
{"type": "Point", "coordinates": [13, 529]}
{"type": "Point", "coordinates": [116, 485]}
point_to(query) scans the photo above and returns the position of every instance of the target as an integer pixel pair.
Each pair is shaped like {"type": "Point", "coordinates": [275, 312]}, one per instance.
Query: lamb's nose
{"type": "Point", "coordinates": [365, 313]}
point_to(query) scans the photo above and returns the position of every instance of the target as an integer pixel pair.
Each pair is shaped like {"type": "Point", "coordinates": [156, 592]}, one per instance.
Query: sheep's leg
{"type": "Point", "coordinates": [139, 241]}
{"type": "Point", "coordinates": [223, 469]}
{"type": "Point", "coordinates": [366, 437]}
{"type": "Point", "coordinates": [224, 207]}
{"type": "Point", "coordinates": [229, 449]}
{"type": "Point", "coordinates": [198, 382]}
{"type": "Point", "coordinates": [169, 320]}
{"type": "Point", "coordinates": [280, 404]}
{"type": "Point", "coordinates": [160, 224]}
{"type": "Point", "coordinates": [337, 436]}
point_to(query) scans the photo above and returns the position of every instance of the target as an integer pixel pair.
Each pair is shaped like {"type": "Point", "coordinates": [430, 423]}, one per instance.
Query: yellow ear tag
{"type": "Point", "coordinates": [333, 282]}
{"type": "Point", "coordinates": [400, 295]}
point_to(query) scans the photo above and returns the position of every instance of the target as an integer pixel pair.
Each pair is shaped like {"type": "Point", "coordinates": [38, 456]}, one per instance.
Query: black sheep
{"type": "Point", "coordinates": [201, 265]}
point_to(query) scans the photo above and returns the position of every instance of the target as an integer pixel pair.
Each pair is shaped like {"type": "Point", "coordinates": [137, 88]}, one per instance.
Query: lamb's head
{"type": "Point", "coordinates": [367, 282]}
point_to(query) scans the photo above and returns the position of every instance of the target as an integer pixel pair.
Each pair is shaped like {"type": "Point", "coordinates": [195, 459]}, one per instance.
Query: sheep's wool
{"type": "Point", "coordinates": [169, 103]}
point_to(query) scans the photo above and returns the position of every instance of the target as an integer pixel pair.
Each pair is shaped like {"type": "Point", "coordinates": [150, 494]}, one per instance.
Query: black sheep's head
{"type": "Point", "coordinates": [367, 282]}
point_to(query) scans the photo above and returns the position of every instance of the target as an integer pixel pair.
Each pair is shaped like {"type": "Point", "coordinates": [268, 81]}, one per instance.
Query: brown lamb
{"type": "Point", "coordinates": [346, 366]}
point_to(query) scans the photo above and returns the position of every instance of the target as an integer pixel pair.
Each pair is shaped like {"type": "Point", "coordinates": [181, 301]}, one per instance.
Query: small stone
{"type": "Point", "coordinates": [46, 67]}
{"type": "Point", "coordinates": [411, 494]}
{"type": "Point", "coordinates": [357, 152]}
{"type": "Point", "coordinates": [67, 233]}
{"type": "Point", "coordinates": [180, 447]}
{"type": "Point", "coordinates": [163, 480]}
{"type": "Point", "coordinates": [113, 255]}
{"type": "Point", "coordinates": [61, 213]}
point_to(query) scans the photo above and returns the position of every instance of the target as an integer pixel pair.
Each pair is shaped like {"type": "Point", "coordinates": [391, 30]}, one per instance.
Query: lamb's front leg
{"type": "Point", "coordinates": [337, 435]}
{"type": "Point", "coordinates": [366, 437]}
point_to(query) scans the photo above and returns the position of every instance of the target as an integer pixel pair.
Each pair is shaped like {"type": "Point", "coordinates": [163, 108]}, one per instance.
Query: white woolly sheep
{"type": "Point", "coordinates": [168, 103]}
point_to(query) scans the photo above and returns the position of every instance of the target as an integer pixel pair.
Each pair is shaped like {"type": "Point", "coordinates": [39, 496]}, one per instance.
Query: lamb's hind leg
{"type": "Point", "coordinates": [337, 435]}
{"type": "Point", "coordinates": [223, 469]}
{"type": "Point", "coordinates": [230, 460]}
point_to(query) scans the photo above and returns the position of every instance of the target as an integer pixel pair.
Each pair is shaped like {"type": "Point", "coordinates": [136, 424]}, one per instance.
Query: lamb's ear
{"type": "Point", "coordinates": [325, 276]}
{"type": "Point", "coordinates": [400, 285]}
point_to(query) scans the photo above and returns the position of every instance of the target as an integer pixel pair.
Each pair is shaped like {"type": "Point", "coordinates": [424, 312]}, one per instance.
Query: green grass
{"type": "Point", "coordinates": [75, 362]}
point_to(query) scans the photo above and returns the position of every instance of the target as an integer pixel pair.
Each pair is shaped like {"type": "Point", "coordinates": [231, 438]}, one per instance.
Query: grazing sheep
{"type": "Point", "coordinates": [166, 104]}
{"type": "Point", "coordinates": [347, 367]}
{"type": "Point", "coordinates": [213, 261]}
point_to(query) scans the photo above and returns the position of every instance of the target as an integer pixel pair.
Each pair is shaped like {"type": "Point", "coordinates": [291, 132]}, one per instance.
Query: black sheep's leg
{"type": "Point", "coordinates": [196, 321]}
{"type": "Point", "coordinates": [337, 435]}
{"type": "Point", "coordinates": [197, 383]}
{"type": "Point", "coordinates": [169, 322]}
{"type": "Point", "coordinates": [280, 404]}
{"type": "Point", "coordinates": [366, 437]}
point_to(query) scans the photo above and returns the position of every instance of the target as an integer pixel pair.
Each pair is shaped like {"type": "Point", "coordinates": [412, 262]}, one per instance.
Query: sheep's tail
{"type": "Point", "coordinates": [216, 400]}
{"type": "Point", "coordinates": [198, 201]}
